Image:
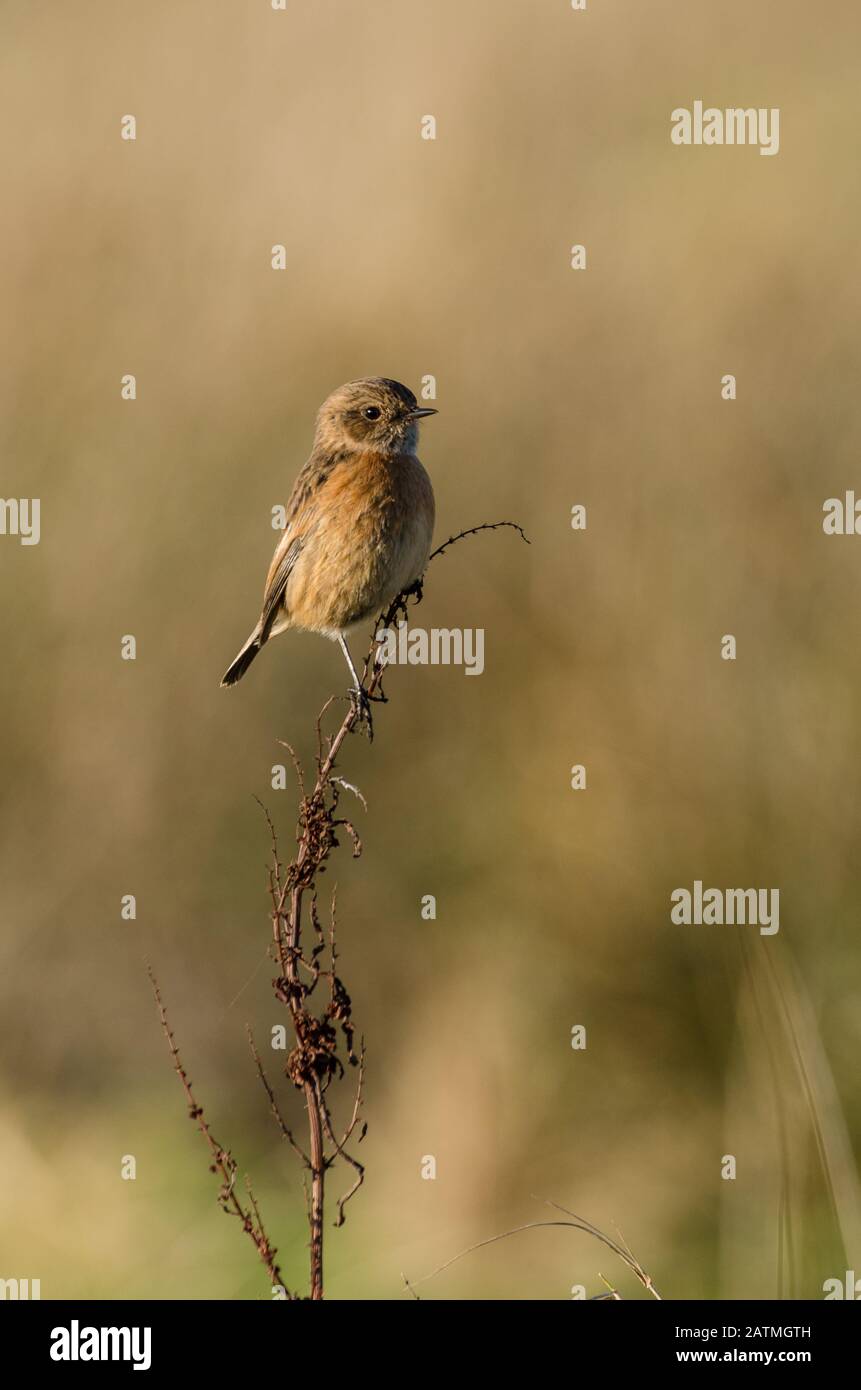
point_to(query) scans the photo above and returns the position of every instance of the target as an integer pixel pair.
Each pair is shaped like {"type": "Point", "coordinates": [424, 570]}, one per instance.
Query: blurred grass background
{"type": "Point", "coordinates": [408, 257]}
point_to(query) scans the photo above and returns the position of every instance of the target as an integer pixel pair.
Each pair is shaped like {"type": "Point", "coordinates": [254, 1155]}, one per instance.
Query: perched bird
{"type": "Point", "coordinates": [359, 522]}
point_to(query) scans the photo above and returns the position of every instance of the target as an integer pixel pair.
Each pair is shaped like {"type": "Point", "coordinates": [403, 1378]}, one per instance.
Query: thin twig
{"type": "Point", "coordinates": [222, 1160]}
{"type": "Point", "coordinates": [473, 531]}
{"type": "Point", "coordinates": [577, 1224]}
{"type": "Point", "coordinates": [286, 1132]}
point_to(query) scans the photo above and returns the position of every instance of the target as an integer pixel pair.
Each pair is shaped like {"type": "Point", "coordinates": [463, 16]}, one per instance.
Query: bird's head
{"type": "Point", "coordinates": [374, 413]}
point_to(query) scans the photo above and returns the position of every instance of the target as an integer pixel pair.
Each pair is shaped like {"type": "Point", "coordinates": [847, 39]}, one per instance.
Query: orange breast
{"type": "Point", "coordinates": [367, 536]}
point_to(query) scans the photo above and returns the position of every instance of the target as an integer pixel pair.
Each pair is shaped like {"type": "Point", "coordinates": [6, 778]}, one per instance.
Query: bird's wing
{"type": "Point", "coordinates": [301, 519]}
{"type": "Point", "coordinates": [280, 570]}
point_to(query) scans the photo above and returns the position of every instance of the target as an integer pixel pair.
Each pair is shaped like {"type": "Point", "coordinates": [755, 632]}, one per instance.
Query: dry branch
{"type": "Point", "coordinates": [323, 1032]}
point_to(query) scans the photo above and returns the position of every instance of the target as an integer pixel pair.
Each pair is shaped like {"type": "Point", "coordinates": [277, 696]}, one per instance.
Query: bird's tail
{"type": "Point", "coordinates": [240, 664]}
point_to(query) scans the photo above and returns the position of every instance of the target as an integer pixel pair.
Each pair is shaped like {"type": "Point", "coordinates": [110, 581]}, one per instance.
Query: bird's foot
{"type": "Point", "coordinates": [361, 702]}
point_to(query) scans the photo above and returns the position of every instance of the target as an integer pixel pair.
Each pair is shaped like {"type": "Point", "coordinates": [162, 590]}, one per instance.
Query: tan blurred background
{"type": "Point", "coordinates": [405, 258]}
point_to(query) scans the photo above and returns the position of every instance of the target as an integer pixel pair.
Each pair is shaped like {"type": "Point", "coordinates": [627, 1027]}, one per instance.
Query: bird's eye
{"type": "Point", "coordinates": [371, 412]}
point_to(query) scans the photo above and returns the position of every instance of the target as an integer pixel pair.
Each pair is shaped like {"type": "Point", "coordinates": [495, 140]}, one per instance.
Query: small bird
{"type": "Point", "coordinates": [359, 522]}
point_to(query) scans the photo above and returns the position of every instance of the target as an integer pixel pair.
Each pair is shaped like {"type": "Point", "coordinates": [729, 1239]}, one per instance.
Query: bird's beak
{"type": "Point", "coordinates": [421, 411]}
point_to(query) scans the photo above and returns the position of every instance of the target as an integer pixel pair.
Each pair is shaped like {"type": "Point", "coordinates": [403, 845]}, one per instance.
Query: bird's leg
{"type": "Point", "coordinates": [359, 694]}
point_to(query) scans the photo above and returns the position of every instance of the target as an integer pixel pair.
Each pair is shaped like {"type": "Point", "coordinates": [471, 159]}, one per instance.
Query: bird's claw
{"type": "Point", "coordinates": [361, 702]}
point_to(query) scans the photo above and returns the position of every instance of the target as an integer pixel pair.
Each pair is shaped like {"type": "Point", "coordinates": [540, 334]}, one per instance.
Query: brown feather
{"type": "Point", "coordinates": [359, 520]}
